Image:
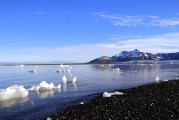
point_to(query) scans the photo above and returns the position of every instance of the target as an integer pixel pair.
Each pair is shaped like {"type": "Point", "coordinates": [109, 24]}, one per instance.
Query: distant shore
{"type": "Point", "coordinates": [44, 64]}
{"type": "Point", "coordinates": [96, 63]}
{"type": "Point", "coordinates": [153, 101]}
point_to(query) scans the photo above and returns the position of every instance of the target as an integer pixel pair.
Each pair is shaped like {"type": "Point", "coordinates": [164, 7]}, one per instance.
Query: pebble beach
{"type": "Point", "coordinates": [159, 101]}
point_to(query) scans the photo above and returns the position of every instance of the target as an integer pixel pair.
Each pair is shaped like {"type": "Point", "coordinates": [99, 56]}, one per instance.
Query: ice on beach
{"type": "Point", "coordinates": [44, 86]}
{"type": "Point", "coordinates": [116, 93]}
{"type": "Point", "coordinates": [12, 92]}
{"type": "Point", "coordinates": [81, 103]}
{"type": "Point", "coordinates": [107, 94]}
{"type": "Point", "coordinates": [157, 79]}
{"type": "Point", "coordinates": [48, 118]}
{"type": "Point", "coordinates": [165, 80]}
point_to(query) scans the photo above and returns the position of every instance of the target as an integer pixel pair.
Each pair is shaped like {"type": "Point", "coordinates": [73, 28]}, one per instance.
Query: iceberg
{"type": "Point", "coordinates": [15, 91]}
{"type": "Point", "coordinates": [44, 86]}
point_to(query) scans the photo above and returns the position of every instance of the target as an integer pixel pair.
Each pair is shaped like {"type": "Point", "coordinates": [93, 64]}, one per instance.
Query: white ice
{"type": "Point", "coordinates": [64, 79]}
{"type": "Point", "coordinates": [157, 79]}
{"type": "Point", "coordinates": [116, 69]}
{"type": "Point", "coordinates": [74, 79]}
{"type": "Point", "coordinates": [107, 94]}
{"type": "Point", "coordinates": [44, 86]}
{"type": "Point", "coordinates": [15, 91]}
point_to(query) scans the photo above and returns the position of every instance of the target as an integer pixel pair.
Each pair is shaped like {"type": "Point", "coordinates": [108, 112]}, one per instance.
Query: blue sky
{"type": "Point", "coordinates": [81, 30]}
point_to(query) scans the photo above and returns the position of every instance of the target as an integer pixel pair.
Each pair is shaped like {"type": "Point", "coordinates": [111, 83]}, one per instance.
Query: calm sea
{"type": "Point", "coordinates": [91, 79]}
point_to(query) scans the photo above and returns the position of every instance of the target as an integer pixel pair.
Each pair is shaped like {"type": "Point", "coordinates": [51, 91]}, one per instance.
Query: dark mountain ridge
{"type": "Point", "coordinates": [125, 56]}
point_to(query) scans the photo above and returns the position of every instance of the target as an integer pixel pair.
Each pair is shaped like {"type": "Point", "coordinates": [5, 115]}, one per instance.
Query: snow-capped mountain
{"type": "Point", "coordinates": [168, 56]}
{"type": "Point", "coordinates": [102, 60]}
{"type": "Point", "coordinates": [126, 56]}
{"type": "Point", "coordinates": [134, 55]}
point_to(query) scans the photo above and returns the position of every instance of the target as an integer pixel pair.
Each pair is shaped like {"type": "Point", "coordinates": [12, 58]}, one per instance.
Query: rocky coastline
{"type": "Point", "coordinates": [153, 101]}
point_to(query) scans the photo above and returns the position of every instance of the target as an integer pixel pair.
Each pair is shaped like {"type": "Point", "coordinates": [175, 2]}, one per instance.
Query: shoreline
{"type": "Point", "coordinates": [133, 62]}
{"type": "Point", "coordinates": [151, 101]}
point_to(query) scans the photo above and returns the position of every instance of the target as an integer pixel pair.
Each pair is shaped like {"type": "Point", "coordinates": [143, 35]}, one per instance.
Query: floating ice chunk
{"type": "Point", "coordinates": [69, 69]}
{"type": "Point", "coordinates": [58, 86]}
{"type": "Point", "coordinates": [116, 69]}
{"type": "Point", "coordinates": [107, 94]}
{"type": "Point", "coordinates": [64, 79]}
{"type": "Point", "coordinates": [44, 86]}
{"type": "Point", "coordinates": [20, 65]}
{"type": "Point", "coordinates": [12, 92]}
{"type": "Point", "coordinates": [61, 65]}
{"type": "Point", "coordinates": [74, 79]}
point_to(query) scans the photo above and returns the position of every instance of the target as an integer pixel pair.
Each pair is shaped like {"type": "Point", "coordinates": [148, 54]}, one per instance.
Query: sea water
{"type": "Point", "coordinates": [91, 79]}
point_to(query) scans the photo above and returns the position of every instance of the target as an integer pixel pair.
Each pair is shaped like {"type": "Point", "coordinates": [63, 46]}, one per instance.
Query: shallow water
{"type": "Point", "coordinates": [91, 79]}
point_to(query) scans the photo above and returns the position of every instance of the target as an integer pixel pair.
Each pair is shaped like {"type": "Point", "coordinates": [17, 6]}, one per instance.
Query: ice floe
{"type": "Point", "coordinates": [44, 86]}
{"type": "Point", "coordinates": [64, 79]}
{"type": "Point", "coordinates": [115, 69]}
{"type": "Point", "coordinates": [74, 79]}
{"type": "Point", "coordinates": [15, 91]}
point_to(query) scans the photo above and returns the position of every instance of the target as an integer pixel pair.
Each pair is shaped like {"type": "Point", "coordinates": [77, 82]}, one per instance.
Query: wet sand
{"type": "Point", "coordinates": [158, 101]}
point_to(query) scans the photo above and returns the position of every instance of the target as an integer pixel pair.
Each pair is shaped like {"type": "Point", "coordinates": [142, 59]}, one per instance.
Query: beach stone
{"type": "Point", "coordinates": [159, 101]}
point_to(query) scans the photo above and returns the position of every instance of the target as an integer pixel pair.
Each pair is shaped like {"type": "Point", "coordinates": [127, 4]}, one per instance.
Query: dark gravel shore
{"type": "Point", "coordinates": [158, 101]}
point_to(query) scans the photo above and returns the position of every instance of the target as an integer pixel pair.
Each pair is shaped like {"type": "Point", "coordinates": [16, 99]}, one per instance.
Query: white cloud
{"type": "Point", "coordinates": [120, 20]}
{"type": "Point", "coordinates": [171, 22]}
{"type": "Point", "coordinates": [82, 53]}
{"type": "Point", "coordinates": [151, 20]}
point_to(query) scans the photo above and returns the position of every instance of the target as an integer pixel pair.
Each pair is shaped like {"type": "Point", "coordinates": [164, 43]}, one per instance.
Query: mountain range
{"type": "Point", "coordinates": [135, 55]}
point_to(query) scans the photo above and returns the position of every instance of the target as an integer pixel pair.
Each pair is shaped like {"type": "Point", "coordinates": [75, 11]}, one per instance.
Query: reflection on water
{"type": "Point", "coordinates": [70, 85]}
{"type": "Point", "coordinates": [44, 94]}
{"type": "Point", "coordinates": [91, 79]}
{"type": "Point", "coordinates": [75, 86]}
{"type": "Point", "coordinates": [12, 102]}
{"type": "Point", "coordinates": [140, 68]}
{"type": "Point", "coordinates": [64, 86]}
